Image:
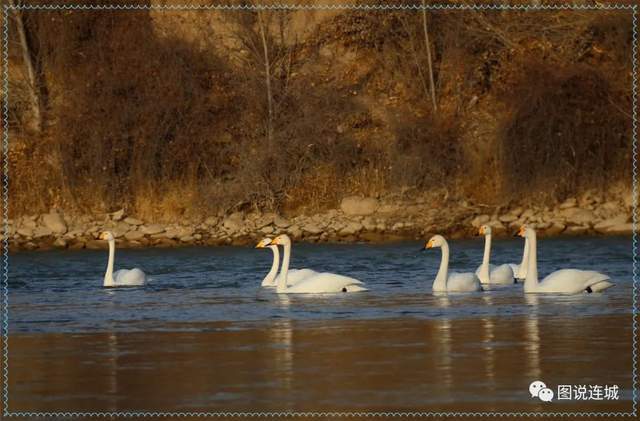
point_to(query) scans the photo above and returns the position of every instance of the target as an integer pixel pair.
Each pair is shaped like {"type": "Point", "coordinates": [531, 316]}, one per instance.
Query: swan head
{"type": "Point", "coordinates": [282, 240]}
{"type": "Point", "coordinates": [106, 235]}
{"type": "Point", "coordinates": [525, 232]}
{"type": "Point", "coordinates": [435, 241]}
{"type": "Point", "coordinates": [263, 243]}
{"type": "Point", "coordinates": [484, 230]}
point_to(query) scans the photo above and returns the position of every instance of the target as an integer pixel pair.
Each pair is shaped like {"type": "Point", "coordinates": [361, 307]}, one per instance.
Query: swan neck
{"type": "Point", "coordinates": [531, 281]}
{"type": "Point", "coordinates": [108, 276]}
{"type": "Point", "coordinates": [282, 280]}
{"type": "Point", "coordinates": [440, 282]}
{"type": "Point", "coordinates": [271, 276]}
{"type": "Point", "coordinates": [525, 257]}
{"type": "Point", "coordinates": [484, 270]}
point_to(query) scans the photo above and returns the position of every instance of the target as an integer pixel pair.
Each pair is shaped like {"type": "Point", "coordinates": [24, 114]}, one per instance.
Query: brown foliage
{"type": "Point", "coordinates": [142, 118]}
{"type": "Point", "coordinates": [564, 134]}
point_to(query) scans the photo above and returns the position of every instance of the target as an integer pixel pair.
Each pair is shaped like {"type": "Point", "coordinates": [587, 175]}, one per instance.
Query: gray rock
{"type": "Point", "coordinates": [133, 235]}
{"type": "Point", "coordinates": [120, 229]}
{"type": "Point", "coordinates": [555, 229]}
{"type": "Point", "coordinates": [132, 221]}
{"type": "Point", "coordinates": [577, 230]}
{"type": "Point", "coordinates": [187, 239]}
{"type": "Point", "coordinates": [516, 211]}
{"type": "Point", "coordinates": [578, 216]}
{"type": "Point", "coordinates": [211, 221]}
{"type": "Point", "coordinates": [264, 220]}
{"type": "Point", "coordinates": [312, 228]}
{"type": "Point", "coordinates": [569, 203]}
{"type": "Point", "coordinates": [151, 229]}
{"type": "Point", "coordinates": [184, 231]}
{"type": "Point", "coordinates": [620, 229]}
{"type": "Point", "coordinates": [42, 232]}
{"type": "Point", "coordinates": [368, 224]}
{"type": "Point", "coordinates": [76, 232]}
{"type": "Point", "coordinates": [508, 218]}
{"type": "Point", "coordinates": [497, 227]}
{"type": "Point", "coordinates": [356, 205]}
{"type": "Point", "coordinates": [526, 215]}
{"type": "Point", "coordinates": [25, 232]}
{"type": "Point", "coordinates": [54, 222]}
{"type": "Point", "coordinates": [266, 230]}
{"type": "Point", "coordinates": [330, 214]}
{"type": "Point", "coordinates": [589, 198]}
{"type": "Point", "coordinates": [93, 230]}
{"type": "Point", "coordinates": [117, 215]}
{"type": "Point", "coordinates": [351, 228]}
{"type": "Point", "coordinates": [516, 224]}
{"type": "Point", "coordinates": [233, 222]}
{"type": "Point", "coordinates": [29, 222]}
{"type": "Point", "coordinates": [610, 205]}
{"type": "Point", "coordinates": [295, 231]}
{"type": "Point", "coordinates": [543, 225]}
{"type": "Point", "coordinates": [603, 226]}
{"type": "Point", "coordinates": [281, 222]}
{"type": "Point", "coordinates": [397, 226]}
{"type": "Point", "coordinates": [61, 243]}
{"type": "Point", "coordinates": [169, 232]}
{"type": "Point", "coordinates": [480, 220]}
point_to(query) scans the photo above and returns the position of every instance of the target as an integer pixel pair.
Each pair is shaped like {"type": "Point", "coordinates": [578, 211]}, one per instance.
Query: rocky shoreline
{"type": "Point", "coordinates": [358, 219]}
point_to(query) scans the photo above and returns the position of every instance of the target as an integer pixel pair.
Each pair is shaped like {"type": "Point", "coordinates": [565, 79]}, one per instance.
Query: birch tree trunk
{"type": "Point", "coordinates": [27, 57]}
{"type": "Point", "coordinates": [428, 45]}
{"type": "Point", "coordinates": [267, 73]}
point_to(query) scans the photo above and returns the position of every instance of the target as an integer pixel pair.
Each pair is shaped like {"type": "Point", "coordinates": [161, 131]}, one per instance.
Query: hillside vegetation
{"type": "Point", "coordinates": [174, 114]}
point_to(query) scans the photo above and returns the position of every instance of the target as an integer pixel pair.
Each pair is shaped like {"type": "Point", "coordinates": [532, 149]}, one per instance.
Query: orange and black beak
{"type": "Point", "coordinates": [263, 243]}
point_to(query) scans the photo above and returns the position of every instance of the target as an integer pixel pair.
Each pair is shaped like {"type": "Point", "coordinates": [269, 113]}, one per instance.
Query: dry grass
{"type": "Point", "coordinates": [169, 129]}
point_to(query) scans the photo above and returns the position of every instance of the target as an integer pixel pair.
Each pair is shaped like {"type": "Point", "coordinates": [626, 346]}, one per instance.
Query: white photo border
{"type": "Point", "coordinates": [4, 266]}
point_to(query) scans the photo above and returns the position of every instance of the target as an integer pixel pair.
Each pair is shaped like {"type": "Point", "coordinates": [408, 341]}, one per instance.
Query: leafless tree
{"type": "Point", "coordinates": [265, 53]}
{"type": "Point", "coordinates": [430, 64]}
{"type": "Point", "coordinates": [36, 99]}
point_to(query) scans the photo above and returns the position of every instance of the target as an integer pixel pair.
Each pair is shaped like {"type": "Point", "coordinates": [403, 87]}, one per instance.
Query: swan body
{"type": "Point", "coordinates": [295, 275]}
{"type": "Point", "coordinates": [488, 273]}
{"type": "Point", "coordinates": [451, 282]}
{"type": "Point", "coordinates": [318, 283]}
{"type": "Point", "coordinates": [325, 282]}
{"type": "Point", "coordinates": [564, 281]}
{"type": "Point", "coordinates": [122, 277]}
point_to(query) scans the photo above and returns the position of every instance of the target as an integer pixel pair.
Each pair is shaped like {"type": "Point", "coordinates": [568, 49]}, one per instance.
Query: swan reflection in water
{"type": "Point", "coordinates": [532, 334]}
{"type": "Point", "coordinates": [443, 343]}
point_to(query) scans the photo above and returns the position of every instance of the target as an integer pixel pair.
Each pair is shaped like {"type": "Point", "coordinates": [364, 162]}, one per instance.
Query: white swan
{"type": "Point", "coordinates": [488, 273]}
{"type": "Point", "coordinates": [520, 271]}
{"type": "Point", "coordinates": [451, 282]}
{"type": "Point", "coordinates": [564, 281]}
{"type": "Point", "coordinates": [319, 283]}
{"type": "Point", "coordinates": [122, 277]}
{"type": "Point", "coordinates": [295, 275]}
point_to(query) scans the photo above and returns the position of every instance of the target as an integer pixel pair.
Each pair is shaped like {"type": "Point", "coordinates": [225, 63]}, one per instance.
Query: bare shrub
{"type": "Point", "coordinates": [428, 153]}
{"type": "Point", "coordinates": [564, 134]}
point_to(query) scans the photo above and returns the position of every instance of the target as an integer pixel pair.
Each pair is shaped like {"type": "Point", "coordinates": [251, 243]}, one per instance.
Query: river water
{"type": "Point", "coordinates": [203, 335]}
